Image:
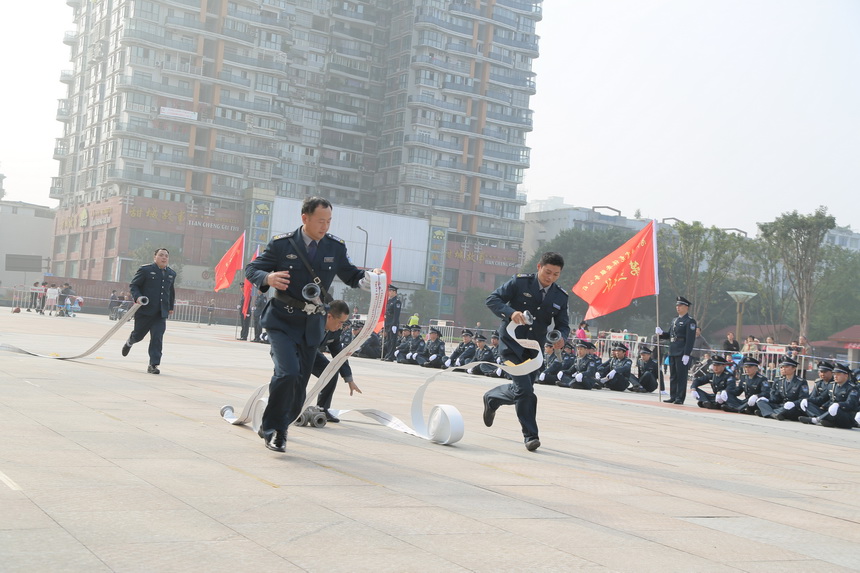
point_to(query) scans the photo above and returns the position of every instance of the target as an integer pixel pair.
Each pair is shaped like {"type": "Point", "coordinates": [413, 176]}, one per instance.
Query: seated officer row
{"type": "Point", "coordinates": [834, 401]}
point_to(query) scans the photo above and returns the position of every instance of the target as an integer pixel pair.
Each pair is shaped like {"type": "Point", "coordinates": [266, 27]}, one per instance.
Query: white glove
{"type": "Point", "coordinates": [762, 400]}
{"type": "Point", "coordinates": [447, 363]}
{"type": "Point", "coordinates": [804, 404]}
{"type": "Point", "coordinates": [499, 360]}
{"type": "Point", "coordinates": [695, 395]}
{"type": "Point", "coordinates": [542, 376]}
{"type": "Point", "coordinates": [432, 358]}
{"type": "Point", "coordinates": [789, 405]}
{"type": "Point", "coordinates": [722, 397]}
{"type": "Point", "coordinates": [394, 329]}
{"type": "Point", "coordinates": [408, 356]}
{"type": "Point", "coordinates": [578, 377]}
{"type": "Point", "coordinates": [364, 283]}
{"type": "Point", "coordinates": [458, 362]}
{"type": "Point", "coordinates": [560, 375]}
{"type": "Point", "coordinates": [833, 409]}
{"type": "Point", "coordinates": [685, 359]}
{"type": "Point", "coordinates": [658, 330]}
{"type": "Point", "coordinates": [611, 374]}
{"type": "Point", "coordinates": [498, 371]}
{"type": "Point", "coordinates": [857, 418]}
{"type": "Point", "coordinates": [753, 399]}
{"type": "Point", "coordinates": [396, 352]}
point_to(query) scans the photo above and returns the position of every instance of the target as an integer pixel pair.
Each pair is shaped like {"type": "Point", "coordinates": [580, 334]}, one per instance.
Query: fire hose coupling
{"type": "Point", "coordinates": [143, 301]}
{"type": "Point", "coordinates": [311, 292]}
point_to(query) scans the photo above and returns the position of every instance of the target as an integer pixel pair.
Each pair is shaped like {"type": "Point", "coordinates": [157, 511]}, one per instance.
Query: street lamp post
{"type": "Point", "coordinates": [360, 228]}
{"type": "Point", "coordinates": [741, 298]}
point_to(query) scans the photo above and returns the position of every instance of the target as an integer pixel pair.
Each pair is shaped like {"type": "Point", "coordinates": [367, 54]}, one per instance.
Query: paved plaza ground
{"type": "Point", "coordinates": [104, 467]}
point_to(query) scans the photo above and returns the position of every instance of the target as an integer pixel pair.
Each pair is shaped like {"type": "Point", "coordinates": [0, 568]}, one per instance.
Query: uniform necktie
{"type": "Point", "coordinates": [540, 296]}
{"type": "Point", "coordinates": [312, 250]}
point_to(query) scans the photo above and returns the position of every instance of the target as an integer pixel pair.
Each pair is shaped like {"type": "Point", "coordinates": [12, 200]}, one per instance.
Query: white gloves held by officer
{"type": "Point", "coordinates": [432, 358]}
{"type": "Point", "coordinates": [578, 377]}
{"type": "Point", "coordinates": [611, 374]}
{"type": "Point", "coordinates": [658, 330]}
{"type": "Point", "coordinates": [685, 359]}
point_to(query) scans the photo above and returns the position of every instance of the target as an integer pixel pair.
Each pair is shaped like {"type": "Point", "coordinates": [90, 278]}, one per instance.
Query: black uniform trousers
{"type": "Point", "coordinates": [521, 393]}
{"type": "Point", "coordinates": [154, 325]}
{"type": "Point", "coordinates": [326, 394]}
{"type": "Point", "coordinates": [293, 360]}
{"type": "Point", "coordinates": [677, 378]}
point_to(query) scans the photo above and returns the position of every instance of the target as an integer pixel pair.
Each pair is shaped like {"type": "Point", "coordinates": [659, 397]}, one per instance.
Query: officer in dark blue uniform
{"type": "Point", "coordinates": [648, 371]}
{"type": "Point", "coordinates": [155, 282]}
{"type": "Point", "coordinates": [843, 401]}
{"type": "Point", "coordinates": [752, 385]}
{"type": "Point", "coordinates": [392, 321]}
{"type": "Point", "coordinates": [547, 302]}
{"type": "Point", "coordinates": [682, 336]}
{"type": "Point", "coordinates": [615, 372]}
{"type": "Point", "coordinates": [722, 384]}
{"type": "Point", "coordinates": [295, 326]}
{"type": "Point", "coordinates": [337, 314]}
{"type": "Point", "coordinates": [434, 350]}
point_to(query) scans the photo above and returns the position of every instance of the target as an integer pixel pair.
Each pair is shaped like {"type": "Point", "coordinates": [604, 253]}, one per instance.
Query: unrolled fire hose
{"type": "Point", "coordinates": [142, 301]}
{"type": "Point", "coordinates": [445, 423]}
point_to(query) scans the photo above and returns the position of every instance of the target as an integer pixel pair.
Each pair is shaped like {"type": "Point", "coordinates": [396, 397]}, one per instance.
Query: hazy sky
{"type": "Point", "coordinates": [724, 111]}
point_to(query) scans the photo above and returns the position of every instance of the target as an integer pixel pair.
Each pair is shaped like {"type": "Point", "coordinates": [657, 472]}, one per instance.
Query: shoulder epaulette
{"type": "Point", "coordinates": [564, 292]}
{"type": "Point", "coordinates": [283, 236]}
{"type": "Point", "coordinates": [338, 239]}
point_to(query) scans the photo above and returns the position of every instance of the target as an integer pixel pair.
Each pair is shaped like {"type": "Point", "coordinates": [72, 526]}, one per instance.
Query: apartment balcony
{"type": "Point", "coordinates": [233, 168]}
{"type": "Point", "coordinates": [490, 172]}
{"type": "Point", "coordinates": [521, 83]}
{"type": "Point", "coordinates": [342, 126]}
{"type": "Point", "coordinates": [462, 48]}
{"type": "Point", "coordinates": [467, 10]}
{"type": "Point", "coordinates": [248, 39]}
{"type": "Point", "coordinates": [504, 21]}
{"type": "Point", "coordinates": [346, 70]}
{"type": "Point", "coordinates": [457, 166]}
{"type": "Point", "coordinates": [238, 80]}
{"type": "Point", "coordinates": [70, 38]}
{"type": "Point", "coordinates": [262, 152]}
{"type": "Point", "coordinates": [530, 47]}
{"type": "Point", "coordinates": [494, 134]}
{"type": "Point", "coordinates": [510, 119]}
{"type": "Point", "coordinates": [268, 21]}
{"type": "Point", "coordinates": [339, 143]}
{"type": "Point", "coordinates": [156, 41]}
{"type": "Point", "coordinates": [186, 70]}
{"type": "Point", "coordinates": [354, 33]}
{"type": "Point", "coordinates": [61, 148]}
{"type": "Point", "coordinates": [450, 27]}
{"type": "Point", "coordinates": [352, 15]}
{"type": "Point", "coordinates": [157, 88]}
{"type": "Point", "coordinates": [507, 157]}
{"type": "Point", "coordinates": [151, 132]}
{"type": "Point", "coordinates": [133, 176]}
{"type": "Point", "coordinates": [498, 95]}
{"type": "Point", "coordinates": [455, 127]}
{"type": "Point", "coordinates": [345, 183]}
{"type": "Point", "coordinates": [458, 87]}
{"type": "Point", "coordinates": [263, 64]}
{"type": "Point", "coordinates": [340, 164]}
{"type": "Point", "coordinates": [508, 195]}
{"type": "Point", "coordinates": [429, 101]}
{"type": "Point", "coordinates": [67, 76]}
{"type": "Point", "coordinates": [174, 160]}
{"type": "Point", "coordinates": [500, 232]}
{"type": "Point", "coordinates": [56, 191]}
{"type": "Point", "coordinates": [64, 110]}
{"type": "Point", "coordinates": [337, 85]}
{"type": "Point", "coordinates": [523, 7]}
{"type": "Point", "coordinates": [454, 206]}
{"type": "Point", "coordinates": [501, 59]}
{"type": "Point", "coordinates": [186, 24]}
{"type": "Point", "coordinates": [439, 64]}
{"type": "Point", "coordinates": [250, 105]}
{"type": "Point", "coordinates": [432, 142]}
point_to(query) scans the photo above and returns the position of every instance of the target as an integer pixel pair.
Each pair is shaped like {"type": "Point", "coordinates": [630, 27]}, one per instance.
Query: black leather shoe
{"type": "Point", "coordinates": [489, 413]}
{"type": "Point", "coordinates": [827, 422]}
{"type": "Point", "coordinates": [678, 402]}
{"type": "Point", "coordinates": [276, 440]}
{"type": "Point", "coordinates": [329, 417]}
{"type": "Point", "coordinates": [804, 419]}
{"type": "Point", "coordinates": [152, 369]}
{"type": "Point", "coordinates": [125, 349]}
{"type": "Point", "coordinates": [669, 400]}
{"type": "Point", "coordinates": [532, 444]}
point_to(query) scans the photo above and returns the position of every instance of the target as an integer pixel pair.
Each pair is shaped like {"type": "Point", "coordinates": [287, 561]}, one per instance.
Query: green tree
{"type": "Point", "coordinates": [144, 255]}
{"type": "Point", "coordinates": [425, 303]}
{"type": "Point", "coordinates": [696, 261]}
{"type": "Point", "coordinates": [356, 297]}
{"type": "Point", "coordinates": [838, 300]}
{"type": "Point", "coordinates": [758, 272]}
{"type": "Point", "coordinates": [475, 308]}
{"type": "Point", "coordinates": [799, 240]}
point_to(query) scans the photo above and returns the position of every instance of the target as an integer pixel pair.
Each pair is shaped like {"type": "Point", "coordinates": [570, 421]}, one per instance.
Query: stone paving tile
{"type": "Point", "coordinates": [205, 556]}
{"type": "Point", "coordinates": [48, 549]}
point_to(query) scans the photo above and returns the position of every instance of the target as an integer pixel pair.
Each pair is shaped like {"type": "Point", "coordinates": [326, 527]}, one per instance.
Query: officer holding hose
{"type": "Point", "coordinates": [152, 287]}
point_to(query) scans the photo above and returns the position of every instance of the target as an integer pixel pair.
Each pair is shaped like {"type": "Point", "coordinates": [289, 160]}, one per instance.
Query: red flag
{"type": "Point", "coordinates": [628, 272]}
{"type": "Point", "coordinates": [386, 266]}
{"type": "Point", "coordinates": [246, 289]}
{"type": "Point", "coordinates": [232, 261]}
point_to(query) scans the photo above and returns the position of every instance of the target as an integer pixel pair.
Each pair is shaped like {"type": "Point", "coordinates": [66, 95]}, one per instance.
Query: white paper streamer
{"type": "Point", "coordinates": [119, 324]}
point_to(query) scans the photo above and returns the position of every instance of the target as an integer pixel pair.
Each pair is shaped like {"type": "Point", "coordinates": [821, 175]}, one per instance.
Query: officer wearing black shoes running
{"type": "Point", "coordinates": [547, 302]}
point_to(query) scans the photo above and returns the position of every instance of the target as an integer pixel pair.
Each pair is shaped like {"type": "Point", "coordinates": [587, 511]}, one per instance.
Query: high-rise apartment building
{"type": "Point", "coordinates": [185, 118]}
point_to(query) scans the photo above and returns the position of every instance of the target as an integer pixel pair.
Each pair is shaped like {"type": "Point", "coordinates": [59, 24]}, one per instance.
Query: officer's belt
{"type": "Point", "coordinates": [293, 304]}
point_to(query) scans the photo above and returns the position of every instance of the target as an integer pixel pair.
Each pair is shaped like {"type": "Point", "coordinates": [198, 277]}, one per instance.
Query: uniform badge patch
{"type": "Point", "coordinates": [292, 256]}
{"type": "Point", "coordinates": [558, 306]}
{"type": "Point", "coordinates": [328, 259]}
{"type": "Point", "coordinates": [527, 294]}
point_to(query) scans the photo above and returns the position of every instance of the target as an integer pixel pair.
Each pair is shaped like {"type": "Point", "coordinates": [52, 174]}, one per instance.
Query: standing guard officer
{"type": "Point", "coordinates": [154, 281]}
{"type": "Point", "coordinates": [547, 303]}
{"type": "Point", "coordinates": [681, 335]}
{"type": "Point", "coordinates": [434, 350]}
{"type": "Point", "coordinates": [295, 326]}
{"type": "Point", "coordinates": [392, 320]}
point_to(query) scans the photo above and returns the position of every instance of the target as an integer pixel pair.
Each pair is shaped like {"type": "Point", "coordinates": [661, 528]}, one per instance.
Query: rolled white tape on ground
{"type": "Point", "coordinates": [119, 324]}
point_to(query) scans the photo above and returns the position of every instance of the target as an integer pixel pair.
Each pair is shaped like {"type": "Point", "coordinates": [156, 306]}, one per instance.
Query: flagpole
{"type": "Point", "coordinates": [657, 318]}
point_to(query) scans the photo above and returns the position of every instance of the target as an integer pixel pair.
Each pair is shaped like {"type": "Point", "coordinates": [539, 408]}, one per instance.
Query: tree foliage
{"type": "Point", "coordinates": [475, 308]}
{"type": "Point", "coordinates": [425, 303]}
{"type": "Point", "coordinates": [696, 262]}
{"type": "Point", "coordinates": [799, 241]}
